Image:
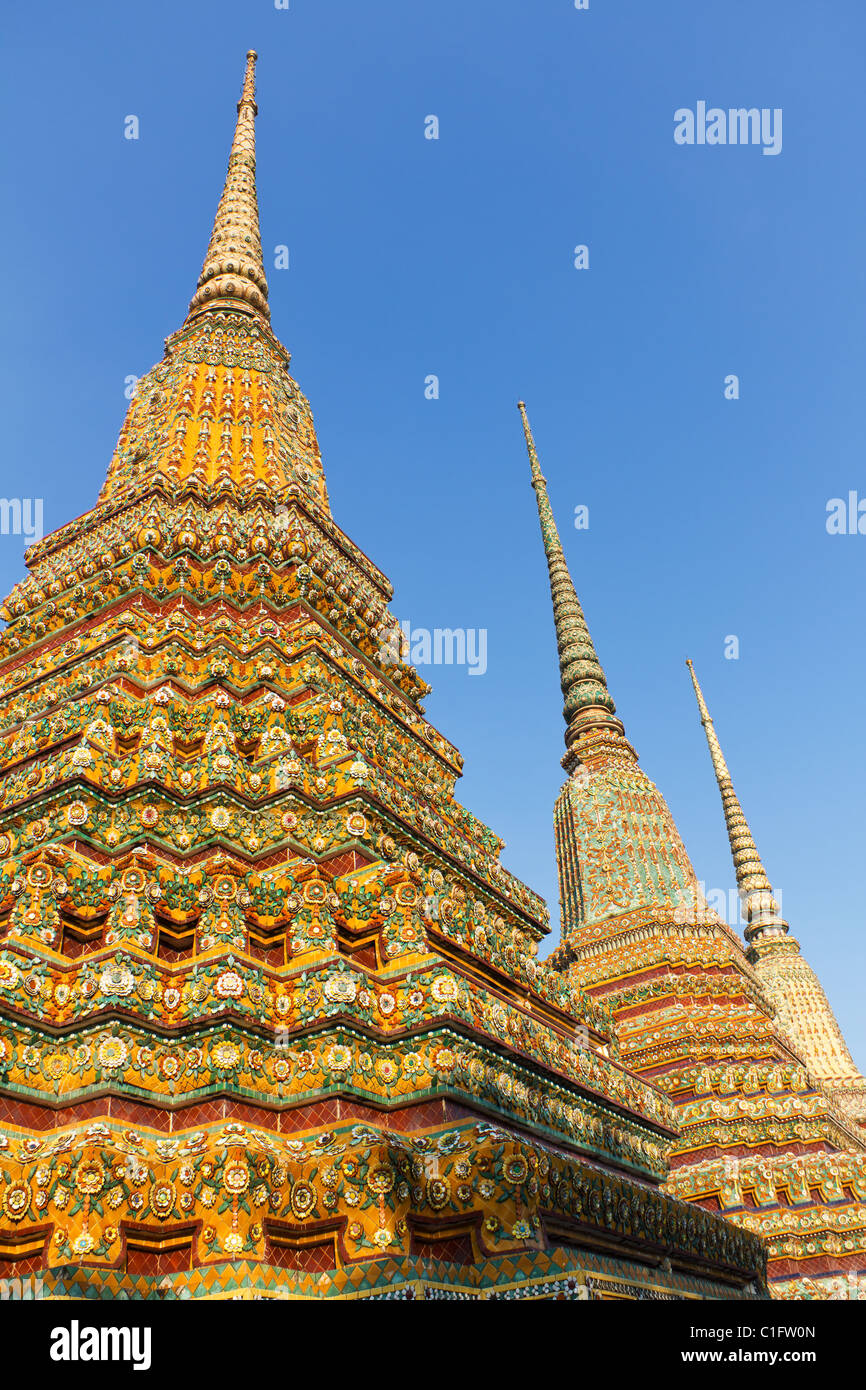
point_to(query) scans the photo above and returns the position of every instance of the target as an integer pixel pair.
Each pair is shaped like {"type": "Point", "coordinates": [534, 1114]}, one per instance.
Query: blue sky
{"type": "Point", "coordinates": [454, 257]}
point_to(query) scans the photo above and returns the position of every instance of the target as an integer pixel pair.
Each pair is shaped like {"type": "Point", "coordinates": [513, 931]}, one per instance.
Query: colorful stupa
{"type": "Point", "coordinates": [769, 1103]}
{"type": "Point", "coordinates": [271, 1018]}
{"type": "Point", "coordinates": [787, 979]}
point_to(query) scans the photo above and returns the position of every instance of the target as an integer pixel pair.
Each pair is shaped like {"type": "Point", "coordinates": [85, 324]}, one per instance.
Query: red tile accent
{"type": "Point", "coordinates": [455, 1250]}
{"type": "Point", "coordinates": [344, 863]}
{"type": "Point", "coordinates": [151, 1262]}
{"type": "Point", "coordinates": [310, 1259]}
{"type": "Point", "coordinates": [136, 1112]}
{"type": "Point", "coordinates": [308, 1116]}
{"type": "Point", "coordinates": [250, 1114]}
{"type": "Point", "coordinates": [192, 1116]}
{"type": "Point", "coordinates": [18, 1266]}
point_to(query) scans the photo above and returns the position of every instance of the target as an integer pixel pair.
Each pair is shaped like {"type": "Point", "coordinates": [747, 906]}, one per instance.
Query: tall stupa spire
{"type": "Point", "coordinates": [760, 908]}
{"type": "Point", "coordinates": [803, 1010]}
{"type": "Point", "coordinates": [588, 702]}
{"type": "Point", "coordinates": [233, 274]}
{"type": "Point", "coordinates": [221, 410]}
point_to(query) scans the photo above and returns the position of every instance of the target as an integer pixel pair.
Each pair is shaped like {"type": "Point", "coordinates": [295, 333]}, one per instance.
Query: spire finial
{"type": "Point", "coordinates": [759, 906]}
{"type": "Point", "coordinates": [233, 274]}
{"type": "Point", "coordinates": [588, 703]}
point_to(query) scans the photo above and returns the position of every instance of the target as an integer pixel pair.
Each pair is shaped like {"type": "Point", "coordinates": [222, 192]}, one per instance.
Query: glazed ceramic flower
{"type": "Point", "coordinates": [162, 1199]}
{"type": "Point", "coordinates": [90, 1177]}
{"type": "Point", "coordinates": [236, 1178]}
{"type": "Point", "coordinates": [56, 1065]}
{"type": "Point", "coordinates": [112, 1053]}
{"type": "Point", "coordinates": [226, 1055]}
{"type": "Point", "coordinates": [229, 985]}
{"type": "Point", "coordinates": [16, 1200]}
{"type": "Point", "coordinates": [515, 1168]}
{"type": "Point", "coordinates": [443, 1059]}
{"type": "Point", "coordinates": [303, 1199]}
{"type": "Point", "coordinates": [443, 989]}
{"type": "Point", "coordinates": [9, 976]}
{"type": "Point", "coordinates": [380, 1180]}
{"type": "Point", "coordinates": [438, 1193]}
{"type": "Point", "coordinates": [339, 1058]}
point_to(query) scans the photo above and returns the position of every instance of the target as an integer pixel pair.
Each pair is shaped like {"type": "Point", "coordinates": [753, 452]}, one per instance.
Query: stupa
{"type": "Point", "coordinates": [743, 1041]}
{"type": "Point", "coordinates": [272, 1021]}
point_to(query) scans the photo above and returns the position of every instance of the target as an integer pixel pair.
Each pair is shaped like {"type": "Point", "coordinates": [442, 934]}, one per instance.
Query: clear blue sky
{"type": "Point", "coordinates": [454, 257]}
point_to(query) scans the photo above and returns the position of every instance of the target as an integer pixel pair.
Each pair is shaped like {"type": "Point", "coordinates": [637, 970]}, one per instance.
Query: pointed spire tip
{"type": "Point", "coordinates": [588, 703]}
{"type": "Point", "coordinates": [233, 274]}
{"type": "Point", "coordinates": [761, 909]}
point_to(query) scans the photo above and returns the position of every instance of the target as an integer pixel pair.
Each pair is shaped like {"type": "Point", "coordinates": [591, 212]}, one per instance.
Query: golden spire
{"type": "Point", "coordinates": [233, 275]}
{"type": "Point", "coordinates": [588, 703]}
{"type": "Point", "coordinates": [759, 906]}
